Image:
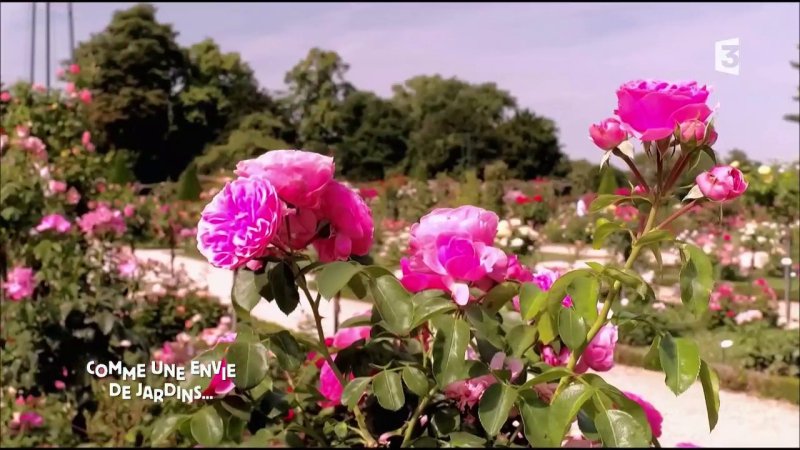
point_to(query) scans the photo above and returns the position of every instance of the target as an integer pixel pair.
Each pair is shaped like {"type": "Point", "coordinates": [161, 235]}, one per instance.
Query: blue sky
{"type": "Point", "coordinates": [562, 60]}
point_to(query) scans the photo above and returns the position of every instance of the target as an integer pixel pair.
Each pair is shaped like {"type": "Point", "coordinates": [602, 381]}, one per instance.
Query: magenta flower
{"type": "Point", "coordinates": [102, 220]}
{"type": "Point", "coordinates": [219, 386]}
{"type": "Point", "coordinates": [55, 222]}
{"type": "Point", "coordinates": [599, 354]}
{"type": "Point", "coordinates": [654, 108]}
{"type": "Point", "coordinates": [347, 336]}
{"type": "Point", "coordinates": [467, 393]}
{"type": "Point", "coordinates": [74, 69]}
{"type": "Point", "coordinates": [607, 134]}
{"type": "Point", "coordinates": [127, 267]}
{"type": "Point", "coordinates": [351, 226]}
{"type": "Point", "coordinates": [722, 183]}
{"type": "Point", "coordinates": [300, 229]}
{"type": "Point", "coordinates": [550, 358]}
{"type": "Point", "coordinates": [299, 176]}
{"type": "Point", "coordinates": [73, 197]}
{"type": "Point", "coordinates": [128, 210]}
{"type": "Point", "coordinates": [239, 222]}
{"type": "Point", "coordinates": [85, 96]}
{"type": "Point", "coordinates": [26, 421]}
{"type": "Point", "coordinates": [652, 414]}
{"type": "Point", "coordinates": [35, 146]}
{"type": "Point", "coordinates": [19, 283]}
{"type": "Point", "coordinates": [5, 97]}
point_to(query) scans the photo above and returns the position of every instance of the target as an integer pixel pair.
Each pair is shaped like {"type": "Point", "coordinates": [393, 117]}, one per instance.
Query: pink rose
{"type": "Point", "coordinates": [721, 183]}
{"type": "Point", "coordinates": [218, 385]}
{"type": "Point", "coordinates": [239, 222]}
{"type": "Point", "coordinates": [456, 245]}
{"type": "Point", "coordinates": [5, 96]}
{"type": "Point", "coordinates": [27, 421]}
{"type": "Point", "coordinates": [653, 416]}
{"type": "Point", "coordinates": [693, 131]}
{"type": "Point", "coordinates": [468, 393]}
{"type": "Point", "coordinates": [416, 282]}
{"type": "Point", "coordinates": [654, 108]}
{"type": "Point", "coordinates": [347, 336]}
{"type": "Point", "coordinates": [300, 229]}
{"type": "Point", "coordinates": [73, 197]}
{"type": "Point", "coordinates": [85, 96]}
{"type": "Point", "coordinates": [60, 385]}
{"type": "Point", "coordinates": [599, 354]}
{"type": "Point", "coordinates": [517, 271]}
{"type": "Point", "coordinates": [54, 222]}
{"type": "Point", "coordinates": [74, 69]}
{"type": "Point", "coordinates": [329, 385]}
{"type": "Point", "coordinates": [127, 268]}
{"type": "Point", "coordinates": [56, 187]}
{"type": "Point", "coordinates": [128, 210]}
{"type": "Point", "coordinates": [69, 88]}
{"type": "Point", "coordinates": [299, 177]}
{"type": "Point", "coordinates": [35, 146]}
{"type": "Point", "coordinates": [550, 358]}
{"type": "Point", "coordinates": [86, 138]}
{"type": "Point", "coordinates": [607, 134]}
{"type": "Point", "coordinates": [19, 283]}
{"type": "Point", "coordinates": [350, 220]}
{"type": "Point", "coordinates": [101, 220]}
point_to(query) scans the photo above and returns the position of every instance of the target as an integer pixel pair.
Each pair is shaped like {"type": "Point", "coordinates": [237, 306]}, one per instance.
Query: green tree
{"type": "Point", "coordinates": [134, 68]}
{"type": "Point", "coordinates": [256, 134]}
{"type": "Point", "coordinates": [316, 90]}
{"type": "Point", "coordinates": [529, 144]}
{"type": "Point", "coordinates": [220, 90]}
{"type": "Point", "coordinates": [188, 188]}
{"type": "Point", "coordinates": [373, 137]}
{"type": "Point", "coordinates": [794, 117]}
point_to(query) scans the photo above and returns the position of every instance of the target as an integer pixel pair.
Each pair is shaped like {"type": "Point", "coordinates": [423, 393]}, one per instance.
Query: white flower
{"type": "Point", "coordinates": [748, 316]}
{"type": "Point", "coordinates": [727, 343]}
{"type": "Point", "coordinates": [761, 239]}
{"type": "Point", "coordinates": [517, 242]}
{"type": "Point", "coordinates": [649, 276]}
{"type": "Point", "coordinates": [503, 229]}
{"type": "Point", "coordinates": [659, 306]}
{"type": "Point", "coordinates": [515, 222]}
{"type": "Point", "coordinates": [504, 242]}
{"type": "Point", "coordinates": [764, 170]}
{"type": "Point", "coordinates": [124, 343]}
{"type": "Point", "coordinates": [625, 301]}
{"type": "Point", "coordinates": [196, 318]}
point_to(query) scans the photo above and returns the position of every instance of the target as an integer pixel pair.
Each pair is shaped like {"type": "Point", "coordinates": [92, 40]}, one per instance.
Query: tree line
{"type": "Point", "coordinates": [168, 106]}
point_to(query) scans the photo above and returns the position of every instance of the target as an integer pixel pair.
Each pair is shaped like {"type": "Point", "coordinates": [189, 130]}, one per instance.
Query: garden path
{"type": "Point", "coordinates": [745, 420]}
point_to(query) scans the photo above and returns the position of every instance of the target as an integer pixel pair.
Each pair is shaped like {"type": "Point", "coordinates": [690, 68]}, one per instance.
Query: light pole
{"type": "Point", "coordinates": [787, 279]}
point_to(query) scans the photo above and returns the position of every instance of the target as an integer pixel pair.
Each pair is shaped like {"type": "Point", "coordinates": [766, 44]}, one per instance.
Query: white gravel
{"type": "Point", "coordinates": [744, 420]}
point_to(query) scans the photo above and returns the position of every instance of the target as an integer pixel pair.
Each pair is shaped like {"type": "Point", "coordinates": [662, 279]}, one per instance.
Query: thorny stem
{"type": "Point", "coordinates": [677, 214]}
{"type": "Point", "coordinates": [676, 171]}
{"type": "Point", "coordinates": [602, 317]}
{"type": "Point", "coordinates": [314, 303]}
{"type": "Point", "coordinates": [634, 169]}
{"type": "Point", "coordinates": [415, 418]}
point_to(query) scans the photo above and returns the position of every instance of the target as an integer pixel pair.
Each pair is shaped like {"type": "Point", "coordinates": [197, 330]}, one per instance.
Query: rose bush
{"type": "Point", "coordinates": [468, 347]}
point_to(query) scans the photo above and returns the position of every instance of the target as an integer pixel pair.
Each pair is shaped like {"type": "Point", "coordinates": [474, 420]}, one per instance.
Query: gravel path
{"type": "Point", "coordinates": [745, 420]}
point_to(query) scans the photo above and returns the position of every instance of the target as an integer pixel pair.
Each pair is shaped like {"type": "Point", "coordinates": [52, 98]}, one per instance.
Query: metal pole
{"type": "Point", "coordinates": [787, 278]}
{"type": "Point", "coordinates": [33, 41]}
{"type": "Point", "coordinates": [71, 32]}
{"type": "Point", "coordinates": [47, 44]}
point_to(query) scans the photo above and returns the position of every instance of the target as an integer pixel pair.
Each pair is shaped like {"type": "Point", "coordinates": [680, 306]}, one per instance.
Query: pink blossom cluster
{"type": "Point", "coordinates": [452, 249]}
{"type": "Point", "coordinates": [329, 385]}
{"type": "Point", "coordinates": [467, 393]}
{"type": "Point", "coordinates": [19, 283]}
{"type": "Point", "coordinates": [102, 219]}
{"type": "Point", "coordinates": [55, 222]}
{"type": "Point", "coordinates": [284, 200]}
{"type": "Point", "coordinates": [598, 355]}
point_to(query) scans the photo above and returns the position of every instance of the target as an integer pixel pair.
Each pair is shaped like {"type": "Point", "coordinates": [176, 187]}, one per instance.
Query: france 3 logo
{"type": "Point", "coordinates": [726, 56]}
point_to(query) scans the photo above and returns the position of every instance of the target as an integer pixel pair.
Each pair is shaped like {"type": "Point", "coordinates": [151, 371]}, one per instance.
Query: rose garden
{"type": "Point", "coordinates": [470, 309]}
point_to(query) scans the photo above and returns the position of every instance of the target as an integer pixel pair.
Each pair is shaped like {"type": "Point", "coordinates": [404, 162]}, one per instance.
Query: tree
{"type": "Point", "coordinates": [316, 90]}
{"type": "Point", "coordinates": [134, 68]}
{"type": "Point", "coordinates": [454, 123]}
{"type": "Point", "coordinates": [529, 145]}
{"type": "Point", "coordinates": [794, 117]}
{"type": "Point", "coordinates": [373, 137]}
{"type": "Point", "coordinates": [257, 133]}
{"type": "Point", "coordinates": [220, 90]}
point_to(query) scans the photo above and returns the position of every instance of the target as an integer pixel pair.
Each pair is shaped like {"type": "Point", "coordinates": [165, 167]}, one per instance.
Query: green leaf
{"type": "Point", "coordinates": [546, 326]}
{"type": "Point", "coordinates": [571, 328]}
{"type": "Point", "coordinates": [354, 390]}
{"type": "Point", "coordinates": [105, 320]}
{"type": "Point", "coordinates": [164, 428]}
{"type": "Point", "coordinates": [495, 405]}
{"type": "Point", "coordinates": [696, 279]}
{"type": "Point", "coordinates": [282, 283]}
{"type": "Point", "coordinates": [584, 292]}
{"type": "Point", "coordinates": [237, 406]}
{"type": "Point", "coordinates": [653, 237]}
{"type": "Point", "coordinates": [394, 304]}
{"type": "Point", "coordinates": [651, 358]}
{"type": "Point", "coordinates": [604, 200]}
{"type": "Point", "coordinates": [535, 417]}
{"type": "Point", "coordinates": [485, 326]}
{"type": "Point", "coordinates": [246, 289]}
{"type": "Point", "coordinates": [619, 429]}
{"type": "Point", "coordinates": [564, 409]}
{"type": "Point", "coordinates": [445, 421]}
{"type": "Point", "coordinates": [680, 359]}
{"type": "Point", "coordinates": [389, 390]}
{"type": "Point", "coordinates": [500, 295]}
{"type": "Point", "coordinates": [710, 382]}
{"type": "Point", "coordinates": [286, 350]}
{"type": "Point", "coordinates": [520, 338]}
{"type": "Point", "coordinates": [460, 439]}
{"type": "Point", "coordinates": [558, 290]}
{"type": "Point", "coordinates": [356, 321]}
{"type": "Point", "coordinates": [449, 349]}
{"type": "Point", "coordinates": [334, 277]}
{"type": "Point", "coordinates": [556, 373]}
{"type": "Point", "coordinates": [532, 300]}
{"type": "Point", "coordinates": [207, 427]}
{"type": "Point", "coordinates": [416, 380]}
{"type": "Point", "coordinates": [428, 304]}
{"type": "Point", "coordinates": [250, 361]}
{"type": "Point", "coordinates": [603, 229]}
